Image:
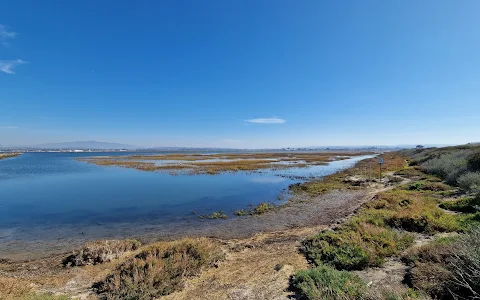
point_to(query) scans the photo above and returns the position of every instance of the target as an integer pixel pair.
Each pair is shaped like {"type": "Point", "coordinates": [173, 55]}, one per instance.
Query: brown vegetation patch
{"type": "Point", "coordinates": [7, 155]}
{"type": "Point", "coordinates": [99, 252]}
{"type": "Point", "coordinates": [197, 164]}
{"type": "Point", "coordinates": [160, 269]}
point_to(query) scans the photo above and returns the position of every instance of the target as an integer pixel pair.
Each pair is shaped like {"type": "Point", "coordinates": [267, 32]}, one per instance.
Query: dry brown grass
{"type": "Point", "coordinates": [14, 288]}
{"type": "Point", "coordinates": [18, 289]}
{"type": "Point", "coordinates": [159, 269]}
{"type": "Point", "coordinates": [7, 155]}
{"type": "Point", "coordinates": [99, 252]}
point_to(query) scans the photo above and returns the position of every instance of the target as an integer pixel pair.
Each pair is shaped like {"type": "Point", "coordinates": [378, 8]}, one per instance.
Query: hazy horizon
{"type": "Point", "coordinates": [246, 74]}
{"type": "Point", "coordinates": [113, 145]}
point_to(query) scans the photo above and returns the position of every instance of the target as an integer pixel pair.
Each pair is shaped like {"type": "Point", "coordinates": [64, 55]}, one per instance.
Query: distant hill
{"type": "Point", "coordinates": [84, 145]}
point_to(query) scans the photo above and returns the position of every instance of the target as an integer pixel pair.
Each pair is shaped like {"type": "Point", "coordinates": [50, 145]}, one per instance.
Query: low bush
{"type": "Point", "coordinates": [474, 162]}
{"type": "Point", "coordinates": [411, 173]}
{"type": "Point", "coordinates": [465, 204]}
{"type": "Point", "coordinates": [99, 252]}
{"type": "Point", "coordinates": [241, 212]}
{"type": "Point", "coordinates": [470, 182]}
{"type": "Point", "coordinates": [465, 266]}
{"type": "Point", "coordinates": [448, 165]}
{"type": "Point", "coordinates": [355, 247]}
{"type": "Point", "coordinates": [218, 215]}
{"type": "Point", "coordinates": [326, 283]}
{"type": "Point", "coordinates": [432, 278]}
{"type": "Point", "coordinates": [262, 208]}
{"type": "Point", "coordinates": [447, 268]}
{"type": "Point", "coordinates": [428, 186]}
{"type": "Point", "coordinates": [159, 270]}
{"type": "Point", "coordinates": [408, 210]}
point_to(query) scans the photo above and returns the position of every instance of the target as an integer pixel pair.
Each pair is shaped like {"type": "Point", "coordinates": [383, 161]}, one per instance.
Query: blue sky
{"type": "Point", "coordinates": [240, 73]}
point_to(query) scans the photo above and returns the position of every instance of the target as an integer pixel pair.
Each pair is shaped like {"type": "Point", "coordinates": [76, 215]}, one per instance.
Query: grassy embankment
{"type": "Point", "coordinates": [7, 155]}
{"type": "Point", "coordinates": [218, 163]}
{"type": "Point", "coordinates": [447, 268]}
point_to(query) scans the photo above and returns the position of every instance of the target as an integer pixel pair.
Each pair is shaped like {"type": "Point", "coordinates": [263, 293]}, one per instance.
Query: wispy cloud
{"type": "Point", "coordinates": [266, 121]}
{"type": "Point", "coordinates": [6, 34]}
{"type": "Point", "coordinates": [8, 66]}
{"type": "Point", "coordinates": [8, 127]}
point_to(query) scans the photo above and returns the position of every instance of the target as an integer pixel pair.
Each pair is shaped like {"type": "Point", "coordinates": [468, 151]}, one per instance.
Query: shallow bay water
{"type": "Point", "coordinates": [50, 196]}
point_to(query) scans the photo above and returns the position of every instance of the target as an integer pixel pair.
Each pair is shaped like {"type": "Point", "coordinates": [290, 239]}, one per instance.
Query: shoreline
{"type": "Point", "coordinates": [294, 212]}
{"type": "Point", "coordinates": [272, 236]}
{"type": "Point", "coordinates": [324, 210]}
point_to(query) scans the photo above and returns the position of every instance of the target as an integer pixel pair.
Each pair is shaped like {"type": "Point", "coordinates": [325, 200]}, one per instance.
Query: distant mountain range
{"type": "Point", "coordinates": [84, 145]}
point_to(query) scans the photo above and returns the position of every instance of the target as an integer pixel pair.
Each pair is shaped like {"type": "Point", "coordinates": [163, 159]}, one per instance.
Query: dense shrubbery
{"type": "Point", "coordinates": [448, 166]}
{"type": "Point", "coordinates": [159, 270]}
{"type": "Point", "coordinates": [326, 283]}
{"type": "Point", "coordinates": [457, 165]}
{"type": "Point", "coordinates": [428, 186]}
{"type": "Point", "coordinates": [368, 237]}
{"type": "Point", "coordinates": [354, 248]}
{"type": "Point", "coordinates": [465, 204]}
{"type": "Point", "coordinates": [448, 268]}
{"type": "Point", "coordinates": [408, 210]}
{"type": "Point", "coordinates": [474, 161]}
{"type": "Point", "coordinates": [470, 182]}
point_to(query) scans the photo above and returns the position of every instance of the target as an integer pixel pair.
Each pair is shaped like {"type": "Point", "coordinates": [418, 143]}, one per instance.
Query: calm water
{"type": "Point", "coordinates": [52, 195]}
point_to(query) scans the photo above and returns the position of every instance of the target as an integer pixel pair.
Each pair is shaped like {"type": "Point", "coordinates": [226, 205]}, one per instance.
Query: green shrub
{"type": "Point", "coordinates": [470, 182]}
{"type": "Point", "coordinates": [428, 186]}
{"type": "Point", "coordinates": [449, 165]}
{"type": "Point", "coordinates": [262, 208]}
{"type": "Point", "coordinates": [408, 210]}
{"type": "Point", "coordinates": [159, 270]}
{"type": "Point", "coordinates": [465, 204]}
{"type": "Point", "coordinates": [241, 212]}
{"type": "Point", "coordinates": [355, 247]}
{"type": "Point", "coordinates": [326, 283]}
{"type": "Point", "coordinates": [412, 173]}
{"type": "Point", "coordinates": [218, 215]}
{"type": "Point", "coordinates": [474, 162]}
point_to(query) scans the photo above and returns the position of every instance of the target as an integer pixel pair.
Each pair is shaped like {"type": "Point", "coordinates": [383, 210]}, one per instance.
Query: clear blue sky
{"type": "Point", "coordinates": [240, 73]}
